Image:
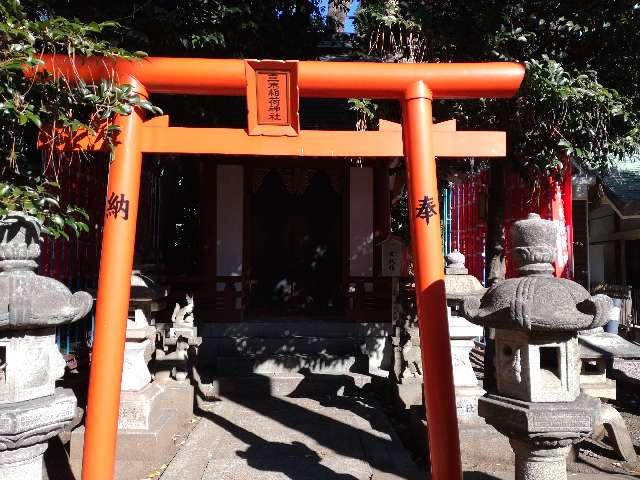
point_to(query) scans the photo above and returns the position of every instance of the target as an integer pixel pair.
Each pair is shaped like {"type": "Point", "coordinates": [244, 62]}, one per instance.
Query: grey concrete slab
{"type": "Point", "coordinates": [292, 438]}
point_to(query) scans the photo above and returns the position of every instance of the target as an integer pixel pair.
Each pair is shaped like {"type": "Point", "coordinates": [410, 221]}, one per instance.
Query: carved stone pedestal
{"type": "Point", "coordinates": [467, 405]}
{"type": "Point", "coordinates": [541, 433]}
{"type": "Point", "coordinates": [534, 463]}
{"type": "Point", "coordinates": [462, 332]}
{"type": "Point", "coordinates": [25, 428]}
{"type": "Point", "coordinates": [463, 374]}
{"type": "Point", "coordinates": [137, 408]}
{"type": "Point", "coordinates": [22, 463]}
{"type": "Point", "coordinates": [150, 426]}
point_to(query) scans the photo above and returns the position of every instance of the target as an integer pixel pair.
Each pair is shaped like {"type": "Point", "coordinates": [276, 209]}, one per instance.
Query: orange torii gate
{"type": "Point", "coordinates": [273, 89]}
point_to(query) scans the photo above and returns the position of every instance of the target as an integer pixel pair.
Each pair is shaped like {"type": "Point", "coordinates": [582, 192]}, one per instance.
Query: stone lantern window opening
{"type": "Point", "coordinates": [550, 362]}
{"type": "Point", "coordinates": [3, 364]}
{"type": "Point", "coordinates": [590, 367]}
{"type": "Point", "coordinates": [533, 368]}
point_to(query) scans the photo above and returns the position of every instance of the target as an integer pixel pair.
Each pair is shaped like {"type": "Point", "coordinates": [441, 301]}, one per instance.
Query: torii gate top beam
{"type": "Point", "coordinates": [203, 76]}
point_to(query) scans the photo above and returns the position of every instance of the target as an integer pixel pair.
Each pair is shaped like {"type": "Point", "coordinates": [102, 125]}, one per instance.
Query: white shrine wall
{"type": "Point", "coordinates": [361, 222]}
{"type": "Point", "coordinates": [229, 220]}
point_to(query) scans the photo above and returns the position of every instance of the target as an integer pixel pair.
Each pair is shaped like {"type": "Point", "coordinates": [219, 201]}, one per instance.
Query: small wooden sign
{"type": "Point", "coordinates": [272, 97]}
{"type": "Point", "coordinates": [392, 258]}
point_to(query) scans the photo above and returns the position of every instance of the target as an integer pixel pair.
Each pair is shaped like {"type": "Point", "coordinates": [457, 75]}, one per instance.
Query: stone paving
{"type": "Point", "coordinates": [292, 438]}
{"type": "Point", "coordinates": [332, 438]}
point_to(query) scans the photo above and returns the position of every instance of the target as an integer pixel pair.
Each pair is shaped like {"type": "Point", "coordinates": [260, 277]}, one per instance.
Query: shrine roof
{"type": "Point", "coordinates": [622, 186]}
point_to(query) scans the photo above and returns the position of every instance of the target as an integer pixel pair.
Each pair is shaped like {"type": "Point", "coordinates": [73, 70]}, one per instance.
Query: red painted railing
{"type": "Point", "coordinates": [465, 205]}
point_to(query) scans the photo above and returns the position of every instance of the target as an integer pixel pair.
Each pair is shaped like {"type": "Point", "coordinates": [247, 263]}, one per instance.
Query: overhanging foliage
{"type": "Point", "coordinates": [565, 108]}
{"type": "Point", "coordinates": [42, 103]}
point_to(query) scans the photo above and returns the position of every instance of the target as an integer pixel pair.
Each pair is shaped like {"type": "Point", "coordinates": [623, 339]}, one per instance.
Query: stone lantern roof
{"type": "Point", "coordinates": [458, 284]}
{"type": "Point", "coordinates": [144, 287]}
{"type": "Point", "coordinates": [28, 300]}
{"type": "Point", "coordinates": [537, 301]}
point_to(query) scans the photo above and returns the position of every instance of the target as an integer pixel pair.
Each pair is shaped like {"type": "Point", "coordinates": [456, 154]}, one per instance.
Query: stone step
{"type": "Point", "coordinates": [279, 385]}
{"type": "Point", "coordinates": [243, 346]}
{"type": "Point", "coordinates": [290, 363]}
{"type": "Point", "coordinates": [294, 329]}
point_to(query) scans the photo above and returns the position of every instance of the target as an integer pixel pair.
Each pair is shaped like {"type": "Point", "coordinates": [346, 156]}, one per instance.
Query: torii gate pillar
{"type": "Point", "coordinates": [426, 240]}
{"type": "Point", "coordinates": [112, 302]}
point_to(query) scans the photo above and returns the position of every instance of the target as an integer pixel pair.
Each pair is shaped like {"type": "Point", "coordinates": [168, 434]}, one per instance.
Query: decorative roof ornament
{"type": "Point", "coordinates": [455, 264]}
{"type": "Point", "coordinates": [28, 300]}
{"type": "Point", "coordinates": [534, 245]}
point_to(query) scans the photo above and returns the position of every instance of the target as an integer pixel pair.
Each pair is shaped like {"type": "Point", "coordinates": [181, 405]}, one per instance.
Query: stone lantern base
{"type": "Point", "coordinates": [25, 428]}
{"type": "Point", "coordinates": [150, 426]}
{"type": "Point", "coordinates": [533, 463]}
{"type": "Point", "coordinates": [541, 434]}
{"type": "Point", "coordinates": [22, 463]}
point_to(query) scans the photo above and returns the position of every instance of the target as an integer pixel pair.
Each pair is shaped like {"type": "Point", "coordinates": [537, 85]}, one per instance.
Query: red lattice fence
{"type": "Point", "coordinates": [75, 262]}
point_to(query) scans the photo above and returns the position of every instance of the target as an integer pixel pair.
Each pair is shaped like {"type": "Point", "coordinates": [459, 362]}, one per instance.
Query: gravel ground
{"type": "Point", "coordinates": [628, 404]}
{"type": "Point", "coordinates": [594, 456]}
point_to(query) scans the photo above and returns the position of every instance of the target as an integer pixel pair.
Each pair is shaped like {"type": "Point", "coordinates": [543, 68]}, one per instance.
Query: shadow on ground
{"type": "Point", "coordinates": [479, 476]}
{"type": "Point", "coordinates": [324, 428]}
{"type": "Point", "coordinates": [295, 459]}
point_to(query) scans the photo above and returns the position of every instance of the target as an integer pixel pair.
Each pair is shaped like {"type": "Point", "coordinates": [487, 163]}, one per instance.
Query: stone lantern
{"type": "Point", "coordinates": [459, 285]}
{"type": "Point", "coordinates": [32, 409]}
{"type": "Point", "coordinates": [537, 317]}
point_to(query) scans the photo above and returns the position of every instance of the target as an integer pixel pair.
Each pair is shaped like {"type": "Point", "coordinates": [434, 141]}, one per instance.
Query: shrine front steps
{"type": "Point", "coordinates": [289, 342]}
{"type": "Point", "coordinates": [245, 345]}
{"type": "Point", "coordinates": [314, 363]}
{"type": "Point", "coordinates": [291, 384]}
{"type": "Point", "coordinates": [300, 328]}
{"type": "Point", "coordinates": [287, 358]}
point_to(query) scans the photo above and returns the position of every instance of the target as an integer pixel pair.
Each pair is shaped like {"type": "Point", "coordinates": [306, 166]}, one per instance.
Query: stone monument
{"type": "Point", "coordinates": [179, 345]}
{"type": "Point", "coordinates": [480, 443]}
{"type": "Point", "coordinates": [32, 409]}
{"type": "Point", "coordinates": [140, 399]}
{"type": "Point", "coordinates": [599, 350]}
{"type": "Point", "coordinates": [459, 284]}
{"type": "Point", "coordinates": [538, 403]}
{"type": "Point", "coordinates": [135, 372]}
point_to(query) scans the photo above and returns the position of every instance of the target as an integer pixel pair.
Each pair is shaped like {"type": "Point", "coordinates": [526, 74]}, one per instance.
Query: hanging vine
{"type": "Point", "coordinates": [49, 106]}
